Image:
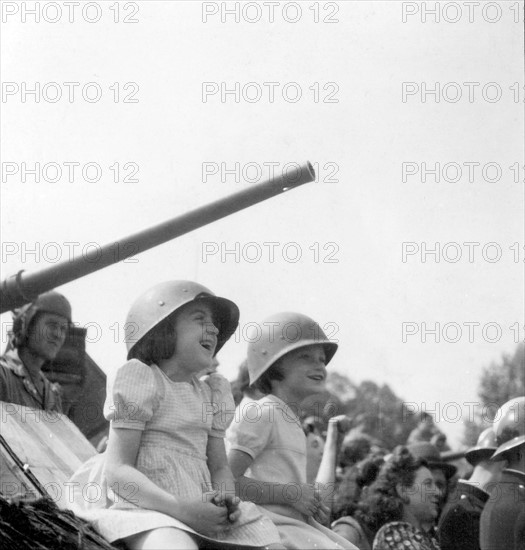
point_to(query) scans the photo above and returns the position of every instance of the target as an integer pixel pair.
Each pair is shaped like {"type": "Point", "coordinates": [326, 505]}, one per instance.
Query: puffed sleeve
{"type": "Point", "coordinates": [223, 404]}
{"type": "Point", "coordinates": [252, 427]}
{"type": "Point", "coordinates": [132, 397]}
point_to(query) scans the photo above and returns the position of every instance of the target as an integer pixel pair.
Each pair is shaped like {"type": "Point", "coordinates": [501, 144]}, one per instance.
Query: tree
{"type": "Point", "coordinates": [500, 381]}
{"type": "Point", "coordinates": [376, 410]}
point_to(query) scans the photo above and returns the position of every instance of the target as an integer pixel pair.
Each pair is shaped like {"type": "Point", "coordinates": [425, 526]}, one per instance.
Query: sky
{"type": "Point", "coordinates": [408, 249]}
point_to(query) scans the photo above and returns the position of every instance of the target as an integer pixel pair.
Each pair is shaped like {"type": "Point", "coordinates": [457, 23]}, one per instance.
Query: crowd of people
{"type": "Point", "coordinates": [189, 464]}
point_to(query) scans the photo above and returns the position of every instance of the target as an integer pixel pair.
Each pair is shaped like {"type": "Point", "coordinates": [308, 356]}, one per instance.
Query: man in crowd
{"type": "Point", "coordinates": [39, 332]}
{"type": "Point", "coordinates": [502, 523]}
{"type": "Point", "coordinates": [459, 525]}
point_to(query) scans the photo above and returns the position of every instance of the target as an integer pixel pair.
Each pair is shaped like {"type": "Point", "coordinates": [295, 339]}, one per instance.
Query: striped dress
{"type": "Point", "coordinates": [176, 419]}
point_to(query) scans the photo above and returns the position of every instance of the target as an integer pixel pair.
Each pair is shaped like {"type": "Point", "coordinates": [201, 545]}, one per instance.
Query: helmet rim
{"type": "Point", "coordinates": [262, 354]}
{"type": "Point", "coordinates": [503, 450]}
{"type": "Point", "coordinates": [510, 427]}
{"type": "Point", "coordinates": [159, 302]}
{"type": "Point", "coordinates": [329, 347]}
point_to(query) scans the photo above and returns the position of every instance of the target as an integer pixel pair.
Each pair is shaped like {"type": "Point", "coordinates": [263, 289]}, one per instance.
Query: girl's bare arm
{"type": "Point", "coordinates": [302, 497]}
{"type": "Point", "coordinates": [325, 479]}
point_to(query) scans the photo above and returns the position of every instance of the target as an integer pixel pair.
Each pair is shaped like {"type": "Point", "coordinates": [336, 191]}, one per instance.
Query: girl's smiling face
{"type": "Point", "coordinates": [304, 371]}
{"type": "Point", "coordinates": [196, 340]}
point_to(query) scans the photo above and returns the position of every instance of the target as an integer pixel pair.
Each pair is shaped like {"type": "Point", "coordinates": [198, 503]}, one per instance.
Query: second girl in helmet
{"type": "Point", "coordinates": [268, 446]}
{"type": "Point", "coordinates": [166, 476]}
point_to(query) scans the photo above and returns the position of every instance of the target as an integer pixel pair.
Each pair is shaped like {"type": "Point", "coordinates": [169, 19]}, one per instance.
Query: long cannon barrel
{"type": "Point", "coordinates": [23, 287]}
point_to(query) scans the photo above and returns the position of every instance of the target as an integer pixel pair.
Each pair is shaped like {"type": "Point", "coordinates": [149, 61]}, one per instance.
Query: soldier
{"type": "Point", "coordinates": [459, 525]}
{"type": "Point", "coordinates": [502, 524]}
{"type": "Point", "coordinates": [39, 332]}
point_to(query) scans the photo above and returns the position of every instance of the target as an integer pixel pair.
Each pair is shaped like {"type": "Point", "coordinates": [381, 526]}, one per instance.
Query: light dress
{"type": "Point", "coordinates": [269, 431]}
{"type": "Point", "coordinates": [176, 419]}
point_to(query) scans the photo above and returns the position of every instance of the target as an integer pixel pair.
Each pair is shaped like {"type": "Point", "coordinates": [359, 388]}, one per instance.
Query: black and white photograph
{"type": "Point", "coordinates": [262, 275]}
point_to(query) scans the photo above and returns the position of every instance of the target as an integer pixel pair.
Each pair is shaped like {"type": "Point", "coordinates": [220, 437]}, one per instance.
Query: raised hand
{"type": "Point", "coordinates": [344, 423]}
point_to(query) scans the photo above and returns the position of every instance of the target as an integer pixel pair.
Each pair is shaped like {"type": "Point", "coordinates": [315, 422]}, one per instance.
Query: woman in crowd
{"type": "Point", "coordinates": [402, 504]}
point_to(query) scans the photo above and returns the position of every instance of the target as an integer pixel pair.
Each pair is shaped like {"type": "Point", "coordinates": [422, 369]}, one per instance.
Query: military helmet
{"type": "Point", "coordinates": [48, 302]}
{"type": "Point", "coordinates": [484, 448]}
{"type": "Point", "coordinates": [280, 334]}
{"type": "Point", "coordinates": [509, 427]}
{"type": "Point", "coordinates": [160, 301]}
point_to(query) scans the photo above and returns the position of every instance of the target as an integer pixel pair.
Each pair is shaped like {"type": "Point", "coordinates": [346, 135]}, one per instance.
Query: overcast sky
{"type": "Point", "coordinates": [373, 93]}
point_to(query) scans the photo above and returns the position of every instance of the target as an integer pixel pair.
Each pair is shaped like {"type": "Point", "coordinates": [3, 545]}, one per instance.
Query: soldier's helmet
{"type": "Point", "coordinates": [484, 448]}
{"type": "Point", "coordinates": [509, 427]}
{"type": "Point", "coordinates": [48, 302]}
{"type": "Point", "coordinates": [280, 334]}
{"type": "Point", "coordinates": [160, 301]}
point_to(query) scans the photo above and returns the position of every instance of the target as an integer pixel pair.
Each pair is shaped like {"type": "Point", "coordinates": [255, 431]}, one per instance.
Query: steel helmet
{"type": "Point", "coordinates": [280, 334]}
{"type": "Point", "coordinates": [160, 301]}
{"type": "Point", "coordinates": [510, 427]}
{"type": "Point", "coordinates": [484, 448]}
{"type": "Point", "coordinates": [48, 302]}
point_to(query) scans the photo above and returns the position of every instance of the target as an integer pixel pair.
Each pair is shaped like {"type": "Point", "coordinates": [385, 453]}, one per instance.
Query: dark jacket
{"type": "Point", "coordinates": [502, 523]}
{"type": "Point", "coordinates": [458, 527]}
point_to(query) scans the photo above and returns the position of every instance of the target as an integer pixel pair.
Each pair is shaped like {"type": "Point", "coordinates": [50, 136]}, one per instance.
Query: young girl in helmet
{"type": "Point", "coordinates": [267, 443]}
{"type": "Point", "coordinates": [164, 479]}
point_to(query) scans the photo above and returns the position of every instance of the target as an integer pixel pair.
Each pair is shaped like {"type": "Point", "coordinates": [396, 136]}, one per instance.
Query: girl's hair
{"type": "Point", "coordinates": [241, 385]}
{"type": "Point", "coordinates": [354, 449]}
{"type": "Point", "coordinates": [383, 503]}
{"type": "Point", "coordinates": [355, 478]}
{"type": "Point", "coordinates": [275, 372]}
{"type": "Point", "coordinates": [158, 344]}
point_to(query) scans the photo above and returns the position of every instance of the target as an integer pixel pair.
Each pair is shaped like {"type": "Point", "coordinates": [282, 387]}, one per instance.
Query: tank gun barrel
{"type": "Point", "coordinates": [24, 287]}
